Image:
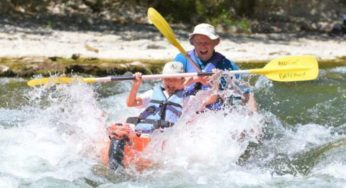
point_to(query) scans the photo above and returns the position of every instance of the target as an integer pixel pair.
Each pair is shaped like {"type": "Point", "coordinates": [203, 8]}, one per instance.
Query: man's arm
{"type": "Point", "coordinates": [250, 102]}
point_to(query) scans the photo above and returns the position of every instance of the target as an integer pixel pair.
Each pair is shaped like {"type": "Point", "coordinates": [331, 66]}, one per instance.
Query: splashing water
{"type": "Point", "coordinates": [61, 133]}
{"type": "Point", "coordinates": [52, 136]}
{"type": "Point", "coordinates": [212, 144]}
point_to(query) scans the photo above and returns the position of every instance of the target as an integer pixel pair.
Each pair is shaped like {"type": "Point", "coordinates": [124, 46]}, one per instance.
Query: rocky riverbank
{"type": "Point", "coordinates": [29, 51]}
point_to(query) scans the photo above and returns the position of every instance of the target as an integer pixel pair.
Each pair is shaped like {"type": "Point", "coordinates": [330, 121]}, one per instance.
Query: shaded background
{"type": "Point", "coordinates": [245, 16]}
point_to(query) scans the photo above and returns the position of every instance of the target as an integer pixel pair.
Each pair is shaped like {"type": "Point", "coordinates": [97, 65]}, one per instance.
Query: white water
{"type": "Point", "coordinates": [56, 141]}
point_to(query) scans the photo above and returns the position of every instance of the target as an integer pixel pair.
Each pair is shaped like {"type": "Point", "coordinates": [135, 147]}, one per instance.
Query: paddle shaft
{"type": "Point", "coordinates": [162, 25]}
{"type": "Point", "coordinates": [284, 69]}
{"type": "Point", "coordinates": [146, 77]}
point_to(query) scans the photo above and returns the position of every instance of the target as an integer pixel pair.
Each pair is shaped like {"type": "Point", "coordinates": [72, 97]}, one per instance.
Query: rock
{"type": "Point", "coordinates": [154, 46]}
{"type": "Point", "coordinates": [54, 58]}
{"type": "Point", "coordinates": [75, 56]}
{"type": "Point", "coordinates": [136, 63]}
{"type": "Point", "coordinates": [90, 48]}
{"type": "Point", "coordinates": [3, 69]}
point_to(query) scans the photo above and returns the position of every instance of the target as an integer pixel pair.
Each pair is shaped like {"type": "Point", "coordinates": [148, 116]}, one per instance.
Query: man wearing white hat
{"type": "Point", "coordinates": [204, 39]}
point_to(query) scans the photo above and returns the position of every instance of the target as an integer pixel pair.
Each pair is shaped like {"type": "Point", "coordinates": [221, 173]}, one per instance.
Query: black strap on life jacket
{"type": "Point", "coordinates": [156, 123]}
{"type": "Point", "coordinates": [163, 107]}
{"type": "Point", "coordinates": [166, 103]}
{"type": "Point", "coordinates": [161, 123]}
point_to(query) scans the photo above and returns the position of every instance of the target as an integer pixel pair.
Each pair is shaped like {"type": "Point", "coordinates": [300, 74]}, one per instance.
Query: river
{"type": "Point", "coordinates": [53, 136]}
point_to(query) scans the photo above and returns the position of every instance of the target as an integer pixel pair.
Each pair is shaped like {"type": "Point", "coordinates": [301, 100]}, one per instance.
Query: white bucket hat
{"type": "Point", "coordinates": [173, 67]}
{"type": "Point", "coordinates": [204, 29]}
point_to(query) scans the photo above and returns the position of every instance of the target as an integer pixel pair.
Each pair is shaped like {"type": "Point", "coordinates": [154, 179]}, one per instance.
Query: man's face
{"type": "Point", "coordinates": [171, 85]}
{"type": "Point", "coordinates": [204, 46]}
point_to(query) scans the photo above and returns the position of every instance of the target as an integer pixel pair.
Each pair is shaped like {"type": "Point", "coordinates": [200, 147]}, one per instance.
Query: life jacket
{"type": "Point", "coordinates": [161, 111]}
{"type": "Point", "coordinates": [216, 61]}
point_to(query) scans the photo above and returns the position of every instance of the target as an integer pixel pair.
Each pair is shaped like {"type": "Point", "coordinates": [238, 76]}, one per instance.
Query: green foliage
{"type": "Point", "coordinates": [231, 15]}
{"type": "Point", "coordinates": [217, 12]}
{"type": "Point", "coordinates": [229, 23]}
{"type": "Point", "coordinates": [50, 24]}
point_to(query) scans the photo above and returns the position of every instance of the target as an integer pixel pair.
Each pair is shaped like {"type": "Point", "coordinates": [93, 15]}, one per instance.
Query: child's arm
{"type": "Point", "coordinates": [132, 99]}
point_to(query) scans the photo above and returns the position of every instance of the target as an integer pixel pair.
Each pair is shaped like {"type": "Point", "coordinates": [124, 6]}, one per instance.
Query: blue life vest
{"type": "Point", "coordinates": [216, 61]}
{"type": "Point", "coordinates": [161, 111]}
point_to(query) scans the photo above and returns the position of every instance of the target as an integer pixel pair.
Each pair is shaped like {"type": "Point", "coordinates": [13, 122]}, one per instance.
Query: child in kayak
{"type": "Point", "coordinates": [163, 105]}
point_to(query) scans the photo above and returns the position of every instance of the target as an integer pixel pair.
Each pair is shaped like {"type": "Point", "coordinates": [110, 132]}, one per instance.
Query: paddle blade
{"type": "Point", "coordinates": [56, 80]}
{"type": "Point", "coordinates": [162, 25]}
{"type": "Point", "coordinates": [290, 69]}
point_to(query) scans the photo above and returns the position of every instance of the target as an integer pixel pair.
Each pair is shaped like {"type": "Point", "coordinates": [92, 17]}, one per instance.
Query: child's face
{"type": "Point", "coordinates": [171, 85]}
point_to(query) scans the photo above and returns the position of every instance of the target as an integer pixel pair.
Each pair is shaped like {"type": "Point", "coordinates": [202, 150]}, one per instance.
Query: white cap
{"type": "Point", "coordinates": [173, 67]}
{"type": "Point", "coordinates": [204, 29]}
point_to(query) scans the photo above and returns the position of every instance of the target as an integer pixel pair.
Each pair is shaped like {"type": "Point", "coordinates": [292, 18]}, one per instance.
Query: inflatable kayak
{"type": "Point", "coordinates": [126, 152]}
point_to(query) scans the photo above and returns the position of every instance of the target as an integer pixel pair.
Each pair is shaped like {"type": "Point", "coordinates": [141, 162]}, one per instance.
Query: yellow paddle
{"type": "Point", "coordinates": [290, 69]}
{"type": "Point", "coordinates": [162, 25]}
{"type": "Point", "coordinates": [284, 69]}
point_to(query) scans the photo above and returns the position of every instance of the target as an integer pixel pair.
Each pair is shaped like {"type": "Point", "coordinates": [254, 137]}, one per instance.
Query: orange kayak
{"type": "Point", "coordinates": [126, 152]}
